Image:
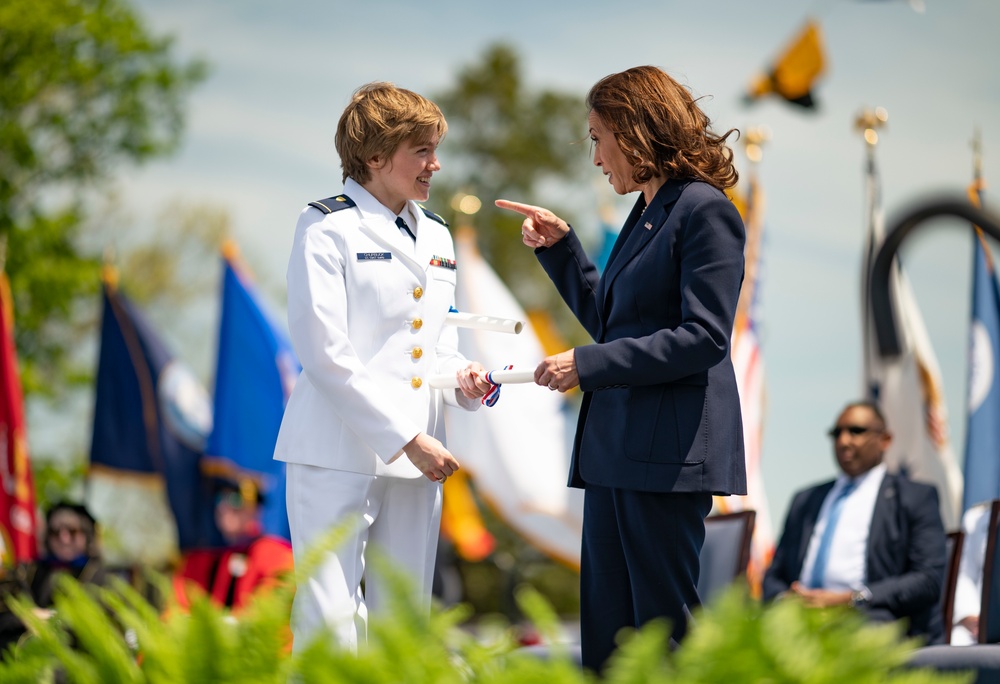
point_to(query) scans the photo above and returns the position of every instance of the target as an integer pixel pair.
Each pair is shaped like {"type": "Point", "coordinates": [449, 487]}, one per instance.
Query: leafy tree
{"type": "Point", "coordinates": [86, 87]}
{"type": "Point", "coordinates": [506, 141]}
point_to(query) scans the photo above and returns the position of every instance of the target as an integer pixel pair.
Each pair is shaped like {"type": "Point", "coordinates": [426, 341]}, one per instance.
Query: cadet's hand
{"type": "Point", "coordinates": [558, 372]}
{"type": "Point", "coordinates": [541, 228]}
{"type": "Point", "coordinates": [472, 381]}
{"type": "Point", "coordinates": [430, 457]}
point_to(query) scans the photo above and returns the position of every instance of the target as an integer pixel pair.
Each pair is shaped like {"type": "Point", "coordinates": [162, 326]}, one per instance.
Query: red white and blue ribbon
{"type": "Point", "coordinates": [493, 395]}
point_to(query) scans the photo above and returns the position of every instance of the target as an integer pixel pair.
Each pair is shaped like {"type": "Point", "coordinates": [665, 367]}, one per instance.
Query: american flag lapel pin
{"type": "Point", "coordinates": [648, 225]}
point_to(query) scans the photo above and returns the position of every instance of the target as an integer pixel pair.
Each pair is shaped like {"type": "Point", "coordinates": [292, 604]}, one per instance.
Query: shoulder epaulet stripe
{"type": "Point", "coordinates": [431, 215]}
{"type": "Point", "coordinates": [332, 204]}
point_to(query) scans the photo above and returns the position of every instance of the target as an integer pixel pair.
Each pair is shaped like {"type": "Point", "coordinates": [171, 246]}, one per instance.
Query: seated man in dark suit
{"type": "Point", "coordinates": [870, 539]}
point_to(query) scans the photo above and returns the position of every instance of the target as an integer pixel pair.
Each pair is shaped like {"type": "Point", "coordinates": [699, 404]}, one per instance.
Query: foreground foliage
{"type": "Point", "coordinates": [114, 635]}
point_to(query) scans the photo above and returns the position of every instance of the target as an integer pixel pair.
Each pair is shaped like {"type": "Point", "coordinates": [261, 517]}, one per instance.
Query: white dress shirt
{"type": "Point", "coordinates": [969, 584]}
{"type": "Point", "coordinates": [845, 569]}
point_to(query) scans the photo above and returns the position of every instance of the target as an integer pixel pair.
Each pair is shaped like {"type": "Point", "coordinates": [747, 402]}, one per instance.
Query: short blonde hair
{"type": "Point", "coordinates": [378, 120]}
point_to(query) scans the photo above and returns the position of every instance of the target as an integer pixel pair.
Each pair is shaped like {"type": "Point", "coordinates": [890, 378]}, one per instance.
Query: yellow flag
{"type": "Point", "coordinates": [796, 70]}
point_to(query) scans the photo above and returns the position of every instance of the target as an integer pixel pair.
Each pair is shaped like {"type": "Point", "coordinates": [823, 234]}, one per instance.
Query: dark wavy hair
{"type": "Point", "coordinates": [660, 128]}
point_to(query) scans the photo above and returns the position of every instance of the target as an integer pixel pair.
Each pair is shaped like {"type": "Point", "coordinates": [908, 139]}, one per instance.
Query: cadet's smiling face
{"type": "Point", "coordinates": [406, 175]}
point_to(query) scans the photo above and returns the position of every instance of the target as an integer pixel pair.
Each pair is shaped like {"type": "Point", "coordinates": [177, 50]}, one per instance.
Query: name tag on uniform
{"type": "Point", "coordinates": [442, 262]}
{"type": "Point", "coordinates": [374, 256]}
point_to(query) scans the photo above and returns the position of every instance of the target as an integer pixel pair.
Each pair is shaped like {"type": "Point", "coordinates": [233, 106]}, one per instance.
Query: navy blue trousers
{"type": "Point", "coordinates": [640, 561]}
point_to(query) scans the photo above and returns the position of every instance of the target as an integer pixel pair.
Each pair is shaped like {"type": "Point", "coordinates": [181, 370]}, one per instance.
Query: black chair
{"type": "Point", "coordinates": [989, 612]}
{"type": "Point", "coordinates": [726, 552]}
{"type": "Point", "coordinates": [953, 556]}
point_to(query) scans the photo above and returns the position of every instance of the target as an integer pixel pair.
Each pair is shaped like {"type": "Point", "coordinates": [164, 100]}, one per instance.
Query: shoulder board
{"type": "Point", "coordinates": [332, 204]}
{"type": "Point", "coordinates": [431, 215]}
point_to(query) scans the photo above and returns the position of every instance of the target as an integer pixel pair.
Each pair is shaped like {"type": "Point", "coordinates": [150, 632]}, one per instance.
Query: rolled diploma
{"type": "Point", "coordinates": [500, 377]}
{"type": "Point", "coordinates": [477, 322]}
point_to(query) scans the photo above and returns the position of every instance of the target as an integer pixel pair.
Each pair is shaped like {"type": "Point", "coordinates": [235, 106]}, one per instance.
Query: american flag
{"type": "Point", "coordinates": [749, 366]}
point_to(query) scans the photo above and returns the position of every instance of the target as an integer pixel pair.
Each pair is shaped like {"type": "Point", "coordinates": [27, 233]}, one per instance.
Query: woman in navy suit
{"type": "Point", "coordinates": [660, 429]}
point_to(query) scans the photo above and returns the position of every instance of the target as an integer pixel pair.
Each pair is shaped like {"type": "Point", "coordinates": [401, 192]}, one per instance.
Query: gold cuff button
{"type": "Point", "coordinates": [415, 383]}
{"type": "Point", "coordinates": [418, 292]}
{"type": "Point", "coordinates": [417, 323]}
{"type": "Point", "coordinates": [416, 352]}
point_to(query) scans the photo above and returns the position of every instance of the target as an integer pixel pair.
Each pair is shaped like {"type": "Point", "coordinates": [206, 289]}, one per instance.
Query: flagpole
{"type": "Point", "coordinates": [753, 147]}
{"type": "Point", "coordinates": [868, 122]}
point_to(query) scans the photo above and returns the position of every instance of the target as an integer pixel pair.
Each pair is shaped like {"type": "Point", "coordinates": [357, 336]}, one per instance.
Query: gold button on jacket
{"type": "Point", "coordinates": [415, 383]}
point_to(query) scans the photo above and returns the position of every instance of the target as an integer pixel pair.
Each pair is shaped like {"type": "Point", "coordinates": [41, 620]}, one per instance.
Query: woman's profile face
{"type": "Point", "coordinates": [610, 157]}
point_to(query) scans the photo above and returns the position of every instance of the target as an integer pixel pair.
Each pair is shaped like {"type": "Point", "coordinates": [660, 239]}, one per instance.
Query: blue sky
{"type": "Point", "coordinates": [260, 144]}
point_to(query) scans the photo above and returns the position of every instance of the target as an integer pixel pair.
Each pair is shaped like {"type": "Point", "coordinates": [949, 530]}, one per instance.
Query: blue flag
{"type": "Point", "coordinates": [150, 419]}
{"type": "Point", "coordinates": [982, 440]}
{"type": "Point", "coordinates": [255, 372]}
{"type": "Point", "coordinates": [609, 234]}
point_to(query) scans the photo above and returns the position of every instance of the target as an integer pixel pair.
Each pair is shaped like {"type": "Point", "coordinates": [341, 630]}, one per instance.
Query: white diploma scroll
{"type": "Point", "coordinates": [477, 322]}
{"type": "Point", "coordinates": [499, 377]}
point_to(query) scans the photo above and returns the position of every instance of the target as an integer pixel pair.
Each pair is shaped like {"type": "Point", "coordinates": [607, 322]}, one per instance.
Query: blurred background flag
{"type": "Point", "coordinates": [255, 371]}
{"type": "Point", "coordinates": [907, 388]}
{"type": "Point", "coordinates": [461, 522]}
{"type": "Point", "coordinates": [748, 364]}
{"type": "Point", "coordinates": [517, 452]}
{"type": "Point", "coordinates": [609, 233]}
{"type": "Point", "coordinates": [18, 541]}
{"type": "Point", "coordinates": [796, 70]}
{"type": "Point", "coordinates": [151, 416]}
{"type": "Point", "coordinates": [982, 436]}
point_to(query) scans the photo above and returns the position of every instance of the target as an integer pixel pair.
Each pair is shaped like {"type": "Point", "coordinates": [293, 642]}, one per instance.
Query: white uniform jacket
{"type": "Point", "coordinates": [366, 311]}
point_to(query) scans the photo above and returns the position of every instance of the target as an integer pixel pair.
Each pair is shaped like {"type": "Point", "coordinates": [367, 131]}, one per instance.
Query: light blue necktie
{"type": "Point", "coordinates": [823, 552]}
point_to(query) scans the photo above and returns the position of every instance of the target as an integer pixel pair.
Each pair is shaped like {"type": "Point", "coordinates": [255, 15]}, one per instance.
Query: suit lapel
{"type": "Point", "coordinates": [640, 227]}
{"type": "Point", "coordinates": [884, 528]}
{"type": "Point", "coordinates": [393, 241]}
{"type": "Point", "coordinates": [424, 247]}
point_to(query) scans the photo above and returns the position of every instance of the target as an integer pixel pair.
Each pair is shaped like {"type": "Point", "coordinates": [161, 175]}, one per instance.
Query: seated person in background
{"type": "Point", "coordinates": [70, 548]}
{"type": "Point", "coordinates": [969, 584]}
{"type": "Point", "coordinates": [249, 562]}
{"type": "Point", "coordinates": [869, 539]}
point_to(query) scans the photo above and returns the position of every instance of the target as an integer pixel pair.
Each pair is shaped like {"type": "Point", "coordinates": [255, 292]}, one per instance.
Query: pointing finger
{"type": "Point", "coordinates": [520, 208]}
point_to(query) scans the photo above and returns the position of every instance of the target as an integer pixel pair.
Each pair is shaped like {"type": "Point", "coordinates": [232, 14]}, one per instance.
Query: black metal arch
{"type": "Point", "coordinates": [883, 316]}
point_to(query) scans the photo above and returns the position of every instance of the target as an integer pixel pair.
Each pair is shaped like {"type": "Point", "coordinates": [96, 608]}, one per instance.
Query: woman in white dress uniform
{"type": "Point", "coordinates": [370, 280]}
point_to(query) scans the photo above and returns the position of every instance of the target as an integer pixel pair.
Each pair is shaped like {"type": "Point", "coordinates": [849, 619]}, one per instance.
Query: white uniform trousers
{"type": "Point", "coordinates": [400, 518]}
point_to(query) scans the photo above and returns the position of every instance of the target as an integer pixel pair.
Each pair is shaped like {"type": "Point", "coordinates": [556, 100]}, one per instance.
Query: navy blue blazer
{"type": "Point", "coordinates": [660, 410]}
{"type": "Point", "coordinates": [904, 561]}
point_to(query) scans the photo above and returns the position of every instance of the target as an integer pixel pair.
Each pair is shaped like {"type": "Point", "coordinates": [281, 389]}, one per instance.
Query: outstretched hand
{"type": "Point", "coordinates": [541, 228]}
{"type": "Point", "coordinates": [558, 372]}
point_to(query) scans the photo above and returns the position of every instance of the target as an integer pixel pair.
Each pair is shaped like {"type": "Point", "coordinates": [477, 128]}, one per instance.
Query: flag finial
{"type": "Point", "coordinates": [753, 142]}
{"type": "Point", "coordinates": [109, 273]}
{"type": "Point", "coordinates": [977, 153]}
{"type": "Point", "coordinates": [869, 121]}
{"type": "Point", "coordinates": [230, 251]}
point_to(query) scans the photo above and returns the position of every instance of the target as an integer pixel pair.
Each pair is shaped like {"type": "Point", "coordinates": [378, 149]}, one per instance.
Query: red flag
{"type": "Point", "coordinates": [17, 489]}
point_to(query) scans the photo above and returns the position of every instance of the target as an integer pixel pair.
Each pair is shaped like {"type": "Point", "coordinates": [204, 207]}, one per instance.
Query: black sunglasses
{"type": "Point", "coordinates": [853, 430]}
